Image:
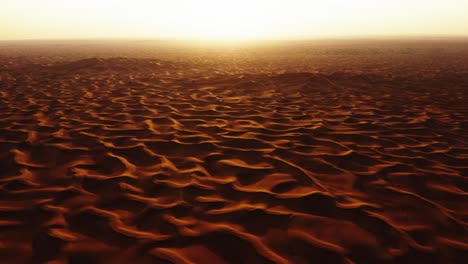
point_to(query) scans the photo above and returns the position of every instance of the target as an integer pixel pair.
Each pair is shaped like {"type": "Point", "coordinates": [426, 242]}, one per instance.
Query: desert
{"type": "Point", "coordinates": [289, 152]}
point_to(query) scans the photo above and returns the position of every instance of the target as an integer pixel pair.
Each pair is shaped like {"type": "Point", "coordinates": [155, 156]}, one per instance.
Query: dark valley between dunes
{"type": "Point", "coordinates": [304, 152]}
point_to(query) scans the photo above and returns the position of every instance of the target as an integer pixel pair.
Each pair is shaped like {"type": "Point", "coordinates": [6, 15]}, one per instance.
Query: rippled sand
{"type": "Point", "coordinates": [153, 161]}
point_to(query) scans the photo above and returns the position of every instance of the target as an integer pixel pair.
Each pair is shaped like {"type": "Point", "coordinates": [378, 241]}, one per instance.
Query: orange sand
{"type": "Point", "coordinates": [157, 161]}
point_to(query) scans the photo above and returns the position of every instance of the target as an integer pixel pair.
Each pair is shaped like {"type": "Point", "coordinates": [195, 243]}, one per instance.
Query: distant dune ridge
{"type": "Point", "coordinates": [199, 157]}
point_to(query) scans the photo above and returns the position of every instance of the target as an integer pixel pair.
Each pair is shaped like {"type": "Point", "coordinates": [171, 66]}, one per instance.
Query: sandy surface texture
{"type": "Point", "coordinates": [173, 160]}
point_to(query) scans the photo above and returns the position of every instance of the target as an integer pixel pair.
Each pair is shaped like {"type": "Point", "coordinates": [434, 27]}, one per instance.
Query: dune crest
{"type": "Point", "coordinates": [149, 161]}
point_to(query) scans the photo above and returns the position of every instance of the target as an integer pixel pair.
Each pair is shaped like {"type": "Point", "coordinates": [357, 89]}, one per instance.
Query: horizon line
{"type": "Point", "coordinates": [279, 39]}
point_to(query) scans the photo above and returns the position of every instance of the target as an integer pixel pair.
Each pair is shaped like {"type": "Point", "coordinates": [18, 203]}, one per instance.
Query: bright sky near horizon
{"type": "Point", "coordinates": [230, 20]}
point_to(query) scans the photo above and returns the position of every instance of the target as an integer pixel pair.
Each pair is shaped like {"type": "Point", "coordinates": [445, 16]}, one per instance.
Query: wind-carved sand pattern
{"type": "Point", "coordinates": [150, 161]}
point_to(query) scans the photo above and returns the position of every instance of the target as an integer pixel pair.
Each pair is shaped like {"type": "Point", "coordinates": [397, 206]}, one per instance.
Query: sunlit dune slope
{"type": "Point", "coordinates": [125, 160]}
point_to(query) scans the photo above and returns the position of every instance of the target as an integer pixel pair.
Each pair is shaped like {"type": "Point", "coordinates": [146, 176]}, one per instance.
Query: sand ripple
{"type": "Point", "coordinates": [131, 161]}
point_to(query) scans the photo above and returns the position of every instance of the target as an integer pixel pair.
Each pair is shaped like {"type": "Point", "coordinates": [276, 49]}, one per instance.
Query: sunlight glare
{"type": "Point", "coordinates": [228, 20]}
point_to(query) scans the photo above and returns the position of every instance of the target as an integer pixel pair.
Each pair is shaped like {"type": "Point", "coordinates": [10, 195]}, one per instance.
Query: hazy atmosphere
{"type": "Point", "coordinates": [227, 132]}
{"type": "Point", "coordinates": [229, 20]}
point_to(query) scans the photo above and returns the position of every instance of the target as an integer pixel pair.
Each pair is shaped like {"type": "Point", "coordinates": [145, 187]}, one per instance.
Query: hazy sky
{"type": "Point", "coordinates": [223, 19]}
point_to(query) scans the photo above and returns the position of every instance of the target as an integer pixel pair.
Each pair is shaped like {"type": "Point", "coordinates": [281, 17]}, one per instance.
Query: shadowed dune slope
{"type": "Point", "coordinates": [149, 161]}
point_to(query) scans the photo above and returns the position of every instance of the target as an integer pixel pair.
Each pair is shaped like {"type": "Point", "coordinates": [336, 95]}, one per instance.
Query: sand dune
{"type": "Point", "coordinates": [150, 161]}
